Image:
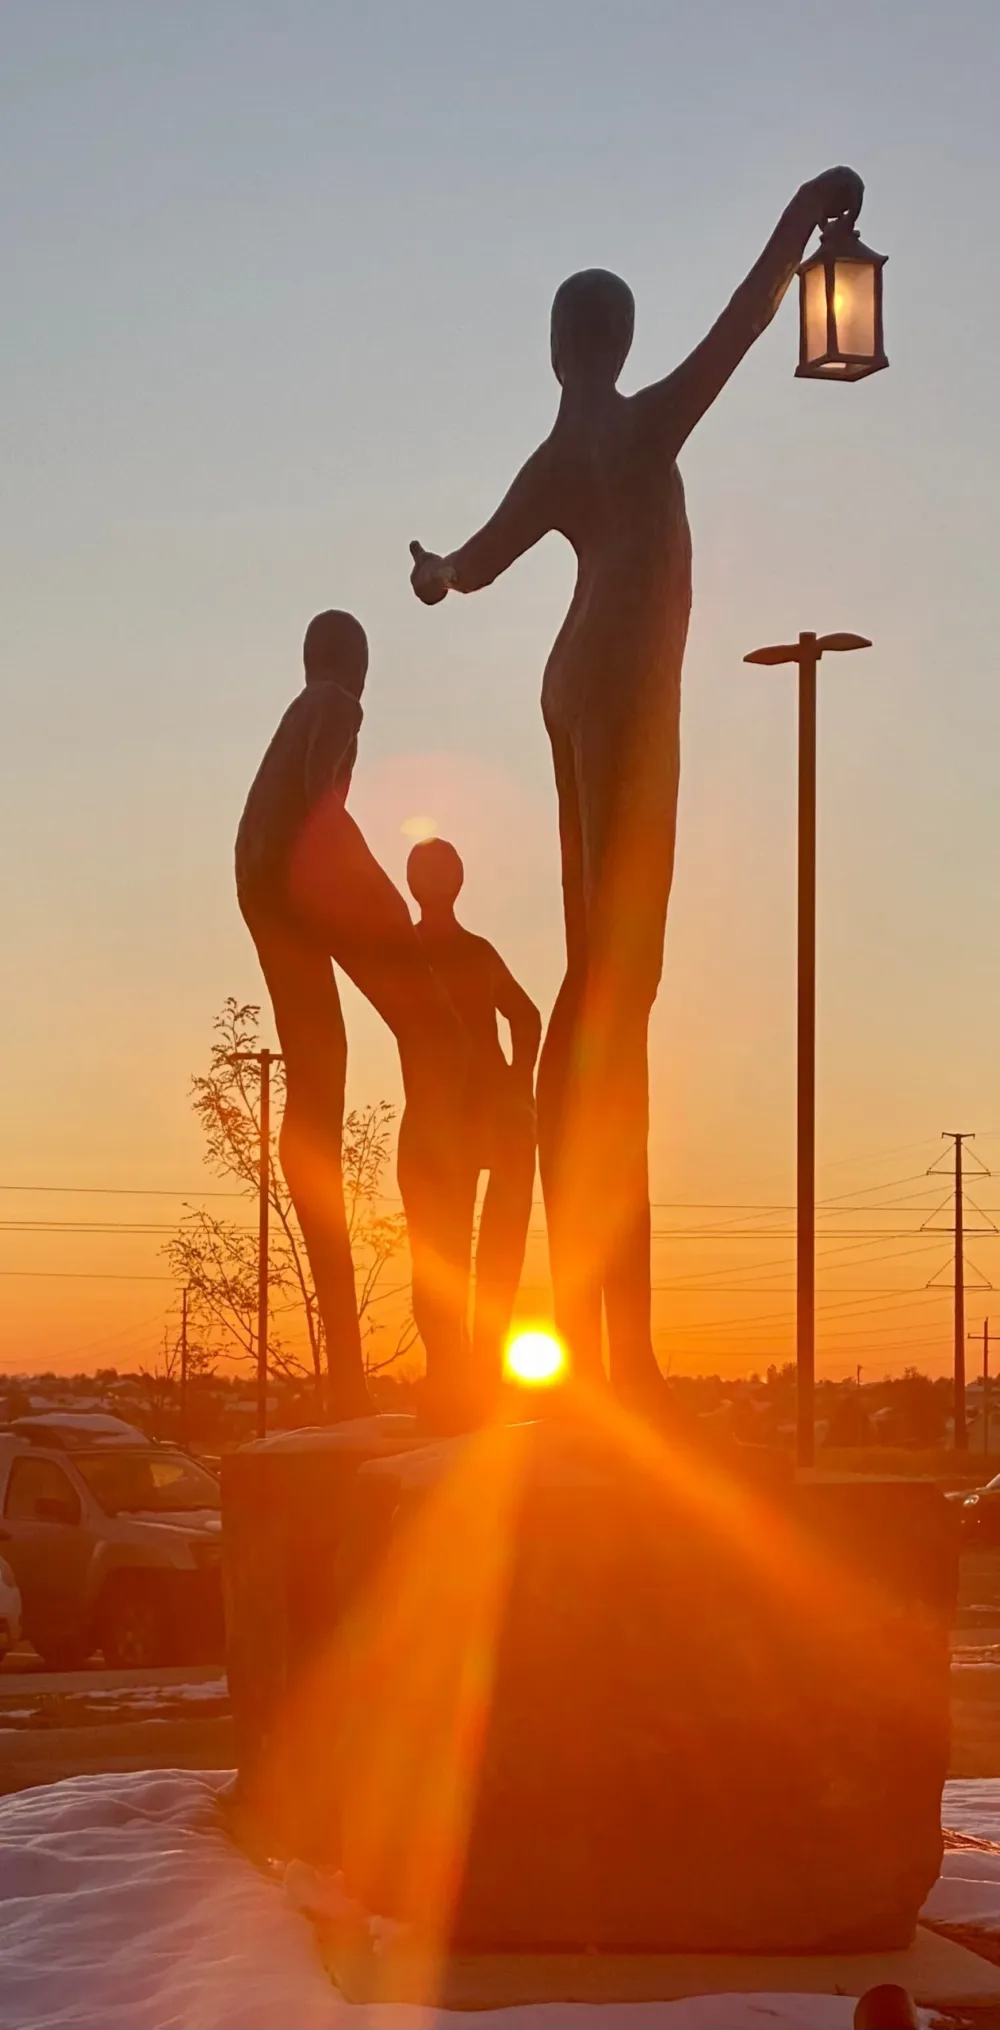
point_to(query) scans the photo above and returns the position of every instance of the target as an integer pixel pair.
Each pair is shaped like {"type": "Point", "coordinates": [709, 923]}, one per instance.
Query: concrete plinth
{"type": "Point", "coordinates": [286, 1501]}
{"type": "Point", "coordinates": [543, 1690]}
{"type": "Point", "coordinates": [934, 1970]}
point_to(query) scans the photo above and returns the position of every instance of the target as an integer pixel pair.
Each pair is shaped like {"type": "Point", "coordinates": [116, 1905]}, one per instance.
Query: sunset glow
{"type": "Point", "coordinates": [105, 889]}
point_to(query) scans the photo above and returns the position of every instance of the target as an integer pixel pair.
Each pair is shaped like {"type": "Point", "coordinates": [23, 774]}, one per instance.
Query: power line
{"type": "Point", "coordinates": [879, 1155]}
{"type": "Point", "coordinates": [891, 1185]}
{"type": "Point", "coordinates": [85, 1276]}
{"type": "Point", "coordinates": [123, 1332]}
{"type": "Point", "coordinates": [840, 1246]}
{"type": "Point", "coordinates": [657, 1204]}
{"type": "Point", "coordinates": [94, 1229]}
{"type": "Point", "coordinates": [97, 1228]}
{"type": "Point", "coordinates": [777, 1265]}
{"type": "Point", "coordinates": [125, 1191]}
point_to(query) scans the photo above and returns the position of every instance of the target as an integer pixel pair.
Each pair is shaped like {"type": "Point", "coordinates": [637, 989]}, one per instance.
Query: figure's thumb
{"type": "Point", "coordinates": [417, 551]}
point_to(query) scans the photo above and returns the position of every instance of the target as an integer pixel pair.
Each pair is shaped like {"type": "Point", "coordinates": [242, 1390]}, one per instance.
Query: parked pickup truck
{"type": "Point", "coordinates": [115, 1543]}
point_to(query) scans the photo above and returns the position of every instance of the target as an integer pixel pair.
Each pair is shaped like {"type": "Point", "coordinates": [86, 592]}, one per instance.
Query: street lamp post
{"type": "Point", "coordinates": [806, 652]}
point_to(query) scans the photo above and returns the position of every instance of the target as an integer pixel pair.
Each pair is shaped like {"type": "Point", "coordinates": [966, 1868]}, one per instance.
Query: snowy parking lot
{"type": "Point", "coordinates": [30, 1698]}
{"type": "Point", "coordinates": [85, 1722]}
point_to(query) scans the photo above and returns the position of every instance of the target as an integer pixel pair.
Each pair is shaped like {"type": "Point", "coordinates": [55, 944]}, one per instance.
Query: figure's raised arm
{"type": "Point", "coordinates": [679, 401]}
{"type": "Point", "coordinates": [523, 517]}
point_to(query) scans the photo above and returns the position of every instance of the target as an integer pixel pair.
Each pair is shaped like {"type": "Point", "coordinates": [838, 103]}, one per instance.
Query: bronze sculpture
{"type": "Point", "coordinates": [607, 479]}
{"type": "Point", "coordinates": [499, 1126]}
{"type": "Point", "coordinates": [310, 892]}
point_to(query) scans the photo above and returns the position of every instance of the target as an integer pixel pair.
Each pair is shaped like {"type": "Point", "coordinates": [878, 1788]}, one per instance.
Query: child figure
{"type": "Point", "coordinates": [500, 1117]}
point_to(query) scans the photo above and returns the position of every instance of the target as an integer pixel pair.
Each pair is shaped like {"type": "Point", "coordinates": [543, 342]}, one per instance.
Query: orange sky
{"type": "Point", "coordinates": [278, 303]}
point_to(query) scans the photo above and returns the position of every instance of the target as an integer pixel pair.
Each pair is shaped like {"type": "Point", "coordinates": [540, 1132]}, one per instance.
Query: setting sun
{"type": "Point", "coordinates": [535, 1359]}
{"type": "Point", "coordinates": [419, 828]}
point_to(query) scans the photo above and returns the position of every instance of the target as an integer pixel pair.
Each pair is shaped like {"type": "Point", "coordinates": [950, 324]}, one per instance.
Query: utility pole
{"type": "Point", "coordinates": [986, 1383]}
{"type": "Point", "coordinates": [184, 1367]}
{"type": "Point", "coordinates": [263, 1059]}
{"type": "Point", "coordinates": [806, 653]}
{"type": "Point", "coordinates": [961, 1231]}
{"type": "Point", "coordinates": [961, 1428]}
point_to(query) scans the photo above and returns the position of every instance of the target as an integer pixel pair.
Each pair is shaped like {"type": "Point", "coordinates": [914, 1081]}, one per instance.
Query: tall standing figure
{"type": "Point", "coordinates": [606, 478]}
{"type": "Point", "coordinates": [311, 892]}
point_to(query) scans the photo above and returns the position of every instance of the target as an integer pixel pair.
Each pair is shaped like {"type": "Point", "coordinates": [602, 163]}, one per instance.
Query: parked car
{"type": "Point", "coordinates": [115, 1543]}
{"type": "Point", "coordinates": [10, 1610]}
{"type": "Point", "coordinates": [979, 1513]}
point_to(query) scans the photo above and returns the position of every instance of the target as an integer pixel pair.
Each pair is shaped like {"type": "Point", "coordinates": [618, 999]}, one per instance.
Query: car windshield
{"type": "Point", "coordinates": [134, 1482]}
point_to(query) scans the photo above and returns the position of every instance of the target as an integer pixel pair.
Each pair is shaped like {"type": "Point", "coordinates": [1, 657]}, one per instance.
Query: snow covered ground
{"type": "Point", "coordinates": [71, 1702]}
{"type": "Point", "coordinates": [214, 1690]}
{"type": "Point", "coordinates": [124, 1907]}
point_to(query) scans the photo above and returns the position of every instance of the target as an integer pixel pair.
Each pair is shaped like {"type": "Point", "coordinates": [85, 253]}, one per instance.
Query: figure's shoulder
{"type": "Point", "coordinates": [331, 702]}
{"type": "Point", "coordinates": [664, 401]}
{"type": "Point", "coordinates": [326, 714]}
{"type": "Point", "coordinates": [297, 716]}
{"type": "Point", "coordinates": [554, 450]}
{"type": "Point", "coordinates": [477, 948]}
{"type": "Point", "coordinates": [474, 954]}
{"type": "Point", "coordinates": [290, 732]}
{"type": "Point", "coordinates": [654, 402]}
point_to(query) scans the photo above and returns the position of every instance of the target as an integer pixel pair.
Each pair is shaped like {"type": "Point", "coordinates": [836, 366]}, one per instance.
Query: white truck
{"type": "Point", "coordinates": [115, 1543]}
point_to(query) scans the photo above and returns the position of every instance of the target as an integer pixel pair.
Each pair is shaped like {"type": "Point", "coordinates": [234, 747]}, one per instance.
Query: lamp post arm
{"type": "Point", "coordinates": [841, 642]}
{"type": "Point", "coordinates": [784, 652]}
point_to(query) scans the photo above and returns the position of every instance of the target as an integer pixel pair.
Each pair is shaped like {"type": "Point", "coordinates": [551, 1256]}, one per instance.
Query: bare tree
{"type": "Point", "coordinates": [159, 1385]}
{"type": "Point", "coordinates": [378, 1238]}
{"type": "Point", "coordinates": [216, 1257]}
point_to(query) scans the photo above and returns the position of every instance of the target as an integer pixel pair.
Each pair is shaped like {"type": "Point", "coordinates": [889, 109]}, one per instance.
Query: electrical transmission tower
{"type": "Point", "coordinates": [961, 1230]}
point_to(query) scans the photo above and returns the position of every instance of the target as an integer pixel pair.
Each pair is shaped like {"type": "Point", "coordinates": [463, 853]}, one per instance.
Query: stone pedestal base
{"type": "Point", "coordinates": [934, 1970]}
{"type": "Point", "coordinates": [287, 1504]}
{"type": "Point", "coordinates": [559, 1691]}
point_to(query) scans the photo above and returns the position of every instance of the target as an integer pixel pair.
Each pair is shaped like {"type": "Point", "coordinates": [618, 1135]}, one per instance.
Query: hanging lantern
{"type": "Point", "coordinates": [840, 307]}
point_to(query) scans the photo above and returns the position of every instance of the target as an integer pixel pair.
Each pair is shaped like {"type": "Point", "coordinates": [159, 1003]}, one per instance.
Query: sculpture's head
{"type": "Point", "coordinates": [434, 874]}
{"type": "Point", "coordinates": [335, 651]}
{"type": "Point", "coordinates": [593, 318]}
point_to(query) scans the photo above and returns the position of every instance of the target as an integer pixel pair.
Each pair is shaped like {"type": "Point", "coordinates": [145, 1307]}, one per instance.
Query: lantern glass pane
{"type": "Point", "coordinates": [814, 286]}
{"type": "Point", "coordinates": [854, 307]}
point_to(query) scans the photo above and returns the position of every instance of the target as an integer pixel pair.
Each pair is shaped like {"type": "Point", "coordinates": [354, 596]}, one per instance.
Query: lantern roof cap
{"type": "Point", "coordinates": [840, 239]}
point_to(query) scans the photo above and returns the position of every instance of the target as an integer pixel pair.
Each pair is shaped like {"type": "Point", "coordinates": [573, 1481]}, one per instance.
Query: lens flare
{"type": "Point", "coordinates": [536, 1359]}
{"type": "Point", "coordinates": [419, 828]}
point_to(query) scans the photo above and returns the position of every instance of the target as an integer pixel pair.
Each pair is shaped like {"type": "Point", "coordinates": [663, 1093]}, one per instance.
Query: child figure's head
{"type": "Point", "coordinates": [335, 651]}
{"type": "Point", "coordinates": [435, 875]}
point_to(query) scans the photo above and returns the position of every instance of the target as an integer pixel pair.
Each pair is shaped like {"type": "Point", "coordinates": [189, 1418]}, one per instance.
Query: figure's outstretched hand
{"type": "Point", "coordinates": [432, 577]}
{"type": "Point", "coordinates": [837, 192]}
